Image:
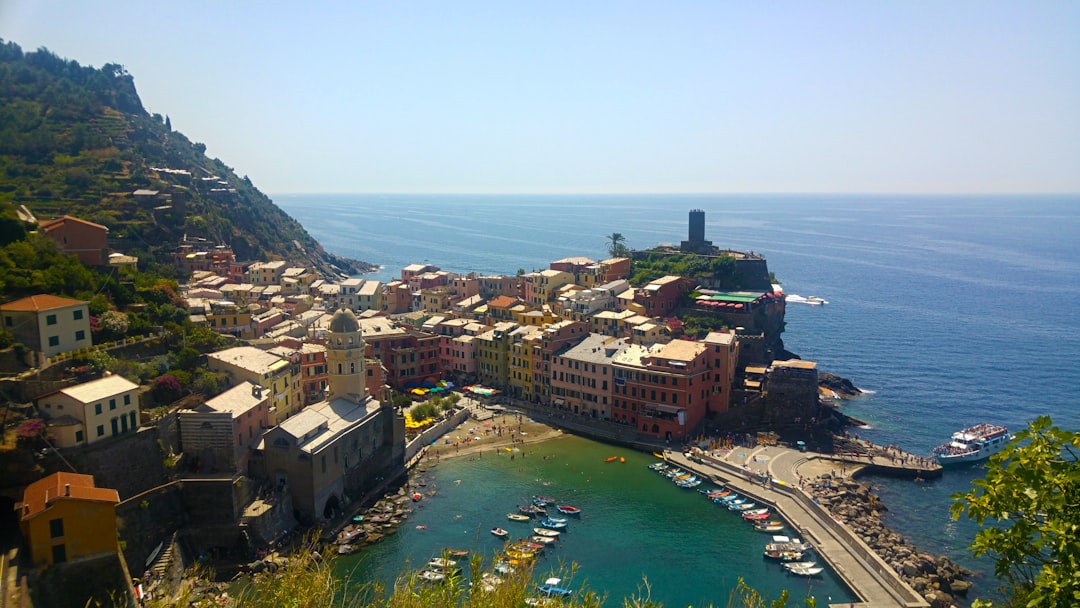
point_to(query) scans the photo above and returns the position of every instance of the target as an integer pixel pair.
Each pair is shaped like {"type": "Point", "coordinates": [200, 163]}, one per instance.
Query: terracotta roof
{"type": "Point", "coordinates": [48, 225]}
{"type": "Point", "coordinates": [502, 302]}
{"type": "Point", "coordinates": [39, 302]}
{"type": "Point", "coordinates": [67, 486]}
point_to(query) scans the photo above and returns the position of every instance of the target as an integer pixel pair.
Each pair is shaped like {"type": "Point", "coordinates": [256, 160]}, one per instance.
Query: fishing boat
{"type": "Point", "coordinates": [972, 444]}
{"type": "Point", "coordinates": [517, 517]}
{"type": "Point", "coordinates": [790, 565]}
{"type": "Point", "coordinates": [558, 520]}
{"type": "Point", "coordinates": [784, 555]}
{"type": "Point", "coordinates": [546, 532]}
{"type": "Point", "coordinates": [806, 570]}
{"type": "Point", "coordinates": [520, 554]}
{"type": "Point", "coordinates": [769, 526]}
{"type": "Point", "coordinates": [658, 466]}
{"type": "Point", "coordinates": [746, 506]}
{"type": "Point", "coordinates": [543, 540]}
{"type": "Point", "coordinates": [440, 564]}
{"type": "Point", "coordinates": [791, 543]}
{"type": "Point", "coordinates": [543, 501]}
{"type": "Point", "coordinates": [431, 576]}
{"type": "Point", "coordinates": [553, 525]}
{"type": "Point", "coordinates": [689, 483]}
{"type": "Point", "coordinates": [751, 516]}
{"type": "Point", "coordinates": [500, 532]}
{"type": "Point", "coordinates": [551, 587]}
{"type": "Point", "coordinates": [761, 511]}
{"type": "Point", "coordinates": [530, 510]}
{"type": "Point", "coordinates": [457, 552]}
{"type": "Point", "coordinates": [568, 510]}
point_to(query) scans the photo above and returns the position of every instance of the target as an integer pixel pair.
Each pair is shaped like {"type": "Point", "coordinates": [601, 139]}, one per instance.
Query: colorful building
{"type": "Point", "coordinates": [582, 376]}
{"type": "Point", "coordinates": [64, 517]}
{"type": "Point", "coordinates": [221, 433]}
{"type": "Point", "coordinates": [663, 390]}
{"type": "Point", "coordinates": [85, 240]}
{"type": "Point", "coordinates": [247, 363]}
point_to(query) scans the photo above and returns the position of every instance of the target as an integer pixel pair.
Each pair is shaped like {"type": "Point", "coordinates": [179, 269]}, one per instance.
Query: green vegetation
{"type": "Point", "coordinates": [617, 245]}
{"type": "Point", "coordinates": [76, 140]}
{"type": "Point", "coordinates": [308, 580]}
{"type": "Point", "coordinates": [1031, 495]}
{"type": "Point", "coordinates": [722, 270]}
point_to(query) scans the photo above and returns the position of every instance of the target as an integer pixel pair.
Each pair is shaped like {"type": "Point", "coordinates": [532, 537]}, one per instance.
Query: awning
{"type": "Point", "coordinates": [670, 409]}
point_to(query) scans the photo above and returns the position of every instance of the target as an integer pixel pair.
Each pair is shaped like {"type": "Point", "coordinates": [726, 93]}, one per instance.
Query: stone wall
{"type": "Point", "coordinates": [81, 583]}
{"type": "Point", "coordinates": [130, 464]}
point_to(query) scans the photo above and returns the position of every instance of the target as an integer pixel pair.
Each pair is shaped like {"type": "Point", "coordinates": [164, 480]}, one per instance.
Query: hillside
{"type": "Point", "coordinates": [76, 140]}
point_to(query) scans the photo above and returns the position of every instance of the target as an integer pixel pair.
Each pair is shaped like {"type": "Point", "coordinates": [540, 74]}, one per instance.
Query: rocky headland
{"type": "Point", "coordinates": [938, 579]}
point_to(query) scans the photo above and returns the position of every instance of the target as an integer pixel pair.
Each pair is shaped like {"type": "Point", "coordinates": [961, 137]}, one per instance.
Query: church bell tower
{"type": "Point", "coordinates": [345, 358]}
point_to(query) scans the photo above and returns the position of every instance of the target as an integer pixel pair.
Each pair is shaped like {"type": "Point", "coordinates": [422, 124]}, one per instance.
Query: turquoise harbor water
{"type": "Point", "coordinates": [635, 526]}
{"type": "Point", "coordinates": [953, 310]}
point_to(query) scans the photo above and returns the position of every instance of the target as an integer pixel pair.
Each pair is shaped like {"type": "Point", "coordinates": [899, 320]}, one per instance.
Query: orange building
{"type": "Point", "coordinates": [86, 240]}
{"type": "Point", "coordinates": [63, 517]}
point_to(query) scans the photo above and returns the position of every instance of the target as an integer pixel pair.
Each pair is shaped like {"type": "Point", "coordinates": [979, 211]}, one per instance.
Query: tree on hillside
{"type": "Point", "coordinates": [617, 245]}
{"type": "Point", "coordinates": [1031, 494]}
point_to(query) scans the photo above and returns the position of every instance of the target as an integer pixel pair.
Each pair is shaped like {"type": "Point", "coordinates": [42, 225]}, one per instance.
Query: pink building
{"type": "Point", "coordinates": [582, 376]}
{"type": "Point", "coordinates": [663, 390]}
{"type": "Point", "coordinates": [220, 434]}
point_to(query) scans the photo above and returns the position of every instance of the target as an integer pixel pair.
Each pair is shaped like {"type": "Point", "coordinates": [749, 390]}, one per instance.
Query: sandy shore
{"type": "Point", "coordinates": [502, 431]}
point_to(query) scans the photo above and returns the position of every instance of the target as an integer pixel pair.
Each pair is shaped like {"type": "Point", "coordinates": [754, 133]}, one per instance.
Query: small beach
{"type": "Point", "coordinates": [493, 433]}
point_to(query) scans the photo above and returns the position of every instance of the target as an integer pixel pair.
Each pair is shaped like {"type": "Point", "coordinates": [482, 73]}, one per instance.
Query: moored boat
{"type": "Point", "coordinates": [973, 444]}
{"type": "Point", "coordinates": [431, 576]}
{"type": "Point", "coordinates": [543, 501]}
{"type": "Point", "coordinates": [501, 533]}
{"type": "Point", "coordinates": [553, 525]}
{"type": "Point", "coordinates": [517, 517]}
{"type": "Point", "coordinates": [786, 555]}
{"type": "Point", "coordinates": [568, 510]}
{"type": "Point", "coordinates": [543, 540]}
{"type": "Point", "coordinates": [546, 532]}
{"type": "Point", "coordinates": [806, 570]}
{"type": "Point", "coordinates": [551, 587]}
{"type": "Point", "coordinates": [769, 526]}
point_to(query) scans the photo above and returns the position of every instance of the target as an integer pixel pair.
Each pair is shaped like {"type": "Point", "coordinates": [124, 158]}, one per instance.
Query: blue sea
{"type": "Point", "coordinates": [949, 310]}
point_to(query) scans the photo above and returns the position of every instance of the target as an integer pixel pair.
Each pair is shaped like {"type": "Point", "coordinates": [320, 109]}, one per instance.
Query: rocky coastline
{"type": "Point", "coordinates": [937, 578]}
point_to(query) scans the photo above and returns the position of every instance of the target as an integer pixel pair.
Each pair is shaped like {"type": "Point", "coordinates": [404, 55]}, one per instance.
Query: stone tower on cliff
{"type": "Point", "coordinates": [695, 242]}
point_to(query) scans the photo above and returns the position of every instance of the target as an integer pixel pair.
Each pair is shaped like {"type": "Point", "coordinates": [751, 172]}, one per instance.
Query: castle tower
{"type": "Point", "coordinates": [697, 226]}
{"type": "Point", "coordinates": [345, 358]}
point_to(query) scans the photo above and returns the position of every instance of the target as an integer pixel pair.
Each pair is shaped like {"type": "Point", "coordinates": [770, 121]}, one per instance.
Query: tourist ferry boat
{"type": "Point", "coordinates": [973, 444]}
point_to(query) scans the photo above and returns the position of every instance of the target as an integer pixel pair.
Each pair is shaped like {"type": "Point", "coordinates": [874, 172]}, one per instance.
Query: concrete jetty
{"type": "Point", "coordinates": [770, 475]}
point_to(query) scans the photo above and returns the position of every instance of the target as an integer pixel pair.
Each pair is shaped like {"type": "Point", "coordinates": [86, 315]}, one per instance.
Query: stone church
{"type": "Point", "coordinates": [335, 451]}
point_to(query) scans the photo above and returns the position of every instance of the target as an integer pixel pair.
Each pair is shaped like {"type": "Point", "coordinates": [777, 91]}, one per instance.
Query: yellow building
{"type": "Point", "coordinates": [524, 348]}
{"type": "Point", "coordinates": [265, 369]}
{"type": "Point", "coordinates": [64, 517]}
{"type": "Point", "coordinates": [493, 354]}
{"type": "Point", "coordinates": [228, 318]}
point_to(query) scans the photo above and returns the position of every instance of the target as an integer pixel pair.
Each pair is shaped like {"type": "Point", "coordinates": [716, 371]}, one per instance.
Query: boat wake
{"type": "Point", "coordinates": [810, 300]}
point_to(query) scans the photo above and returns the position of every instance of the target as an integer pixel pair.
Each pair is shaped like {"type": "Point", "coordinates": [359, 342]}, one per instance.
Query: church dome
{"type": "Point", "coordinates": [344, 321]}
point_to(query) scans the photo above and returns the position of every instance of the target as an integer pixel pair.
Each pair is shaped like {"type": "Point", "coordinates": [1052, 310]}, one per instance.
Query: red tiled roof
{"type": "Point", "coordinates": [502, 302]}
{"type": "Point", "coordinates": [68, 486]}
{"type": "Point", "coordinates": [48, 225]}
{"type": "Point", "coordinates": [39, 302]}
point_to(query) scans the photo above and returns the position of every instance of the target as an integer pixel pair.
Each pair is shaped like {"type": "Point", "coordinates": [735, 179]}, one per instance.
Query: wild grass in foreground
{"type": "Point", "coordinates": [307, 581]}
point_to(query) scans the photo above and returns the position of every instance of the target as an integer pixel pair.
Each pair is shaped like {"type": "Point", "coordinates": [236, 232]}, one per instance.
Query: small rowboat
{"type": "Point", "coordinates": [568, 510]}
{"type": "Point", "coordinates": [546, 532]}
{"type": "Point", "coordinates": [500, 532]}
{"type": "Point", "coordinates": [553, 525]}
{"type": "Point", "coordinates": [543, 540]}
{"type": "Point", "coordinates": [658, 455]}
{"type": "Point", "coordinates": [517, 517]}
{"type": "Point", "coordinates": [543, 500]}
{"type": "Point", "coordinates": [457, 552]}
{"type": "Point", "coordinates": [769, 526]}
{"type": "Point", "coordinates": [751, 516]}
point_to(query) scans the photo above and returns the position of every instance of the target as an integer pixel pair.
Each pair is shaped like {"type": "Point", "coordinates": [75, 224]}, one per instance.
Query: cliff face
{"type": "Point", "coordinates": [76, 140]}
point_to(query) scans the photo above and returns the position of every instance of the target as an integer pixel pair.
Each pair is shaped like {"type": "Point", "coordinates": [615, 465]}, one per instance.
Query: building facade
{"type": "Point", "coordinates": [92, 411]}
{"type": "Point", "coordinates": [48, 324]}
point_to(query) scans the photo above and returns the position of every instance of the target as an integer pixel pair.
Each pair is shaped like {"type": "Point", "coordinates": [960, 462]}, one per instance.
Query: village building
{"type": "Point", "coordinates": [273, 373]}
{"type": "Point", "coordinates": [48, 324]}
{"type": "Point", "coordinates": [65, 518]}
{"type": "Point", "coordinates": [92, 411]}
{"type": "Point", "coordinates": [220, 434]}
{"type": "Point", "coordinates": [85, 240]}
{"type": "Point", "coordinates": [664, 389]}
{"type": "Point", "coordinates": [582, 376]}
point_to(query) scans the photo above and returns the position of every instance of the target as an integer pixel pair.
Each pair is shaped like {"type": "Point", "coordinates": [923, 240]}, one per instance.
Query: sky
{"type": "Point", "coordinates": [602, 96]}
